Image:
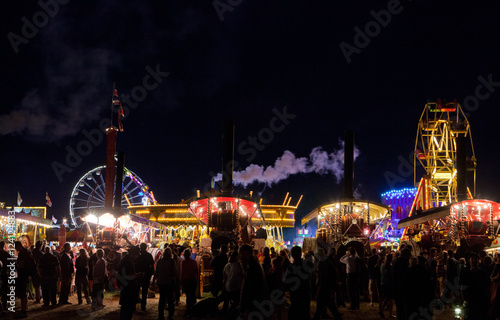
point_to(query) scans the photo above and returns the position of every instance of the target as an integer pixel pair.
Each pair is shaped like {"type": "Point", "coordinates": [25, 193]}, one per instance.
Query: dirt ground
{"type": "Point", "coordinates": [111, 311]}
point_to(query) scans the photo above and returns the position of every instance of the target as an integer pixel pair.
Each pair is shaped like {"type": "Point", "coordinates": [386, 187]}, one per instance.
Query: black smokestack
{"type": "Point", "coordinates": [461, 169]}
{"type": "Point", "coordinates": [348, 165]}
{"type": "Point", "coordinates": [120, 165]}
{"type": "Point", "coordinates": [227, 156]}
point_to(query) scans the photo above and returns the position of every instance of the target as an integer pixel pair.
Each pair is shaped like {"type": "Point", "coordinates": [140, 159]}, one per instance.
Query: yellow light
{"type": "Point", "coordinates": [107, 220]}
{"type": "Point", "coordinates": [443, 175]}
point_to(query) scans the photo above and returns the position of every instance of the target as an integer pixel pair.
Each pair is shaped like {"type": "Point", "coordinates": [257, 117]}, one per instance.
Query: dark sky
{"type": "Point", "coordinates": [248, 61]}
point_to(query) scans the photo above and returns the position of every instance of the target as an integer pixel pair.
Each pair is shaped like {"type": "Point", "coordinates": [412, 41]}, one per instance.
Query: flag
{"type": "Point", "coordinates": [49, 203]}
{"type": "Point", "coordinates": [118, 104]}
{"type": "Point", "coordinates": [19, 199]}
{"type": "Point", "coordinates": [54, 220]}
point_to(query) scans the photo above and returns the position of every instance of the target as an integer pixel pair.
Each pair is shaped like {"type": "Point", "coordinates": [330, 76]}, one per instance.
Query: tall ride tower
{"type": "Point", "coordinates": [441, 132]}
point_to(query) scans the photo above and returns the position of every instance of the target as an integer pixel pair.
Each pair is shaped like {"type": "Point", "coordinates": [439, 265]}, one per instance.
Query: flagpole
{"type": "Point", "coordinates": [112, 104]}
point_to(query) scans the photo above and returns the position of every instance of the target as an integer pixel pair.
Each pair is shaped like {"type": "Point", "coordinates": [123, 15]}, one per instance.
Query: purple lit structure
{"type": "Point", "coordinates": [386, 233]}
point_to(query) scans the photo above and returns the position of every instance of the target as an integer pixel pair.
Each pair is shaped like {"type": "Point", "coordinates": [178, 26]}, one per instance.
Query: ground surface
{"type": "Point", "coordinates": [112, 311]}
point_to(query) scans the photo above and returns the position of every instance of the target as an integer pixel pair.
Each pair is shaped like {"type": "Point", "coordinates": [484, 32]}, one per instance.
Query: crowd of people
{"type": "Point", "coordinates": [250, 284]}
{"type": "Point", "coordinates": [419, 286]}
{"type": "Point", "coordinates": [401, 284]}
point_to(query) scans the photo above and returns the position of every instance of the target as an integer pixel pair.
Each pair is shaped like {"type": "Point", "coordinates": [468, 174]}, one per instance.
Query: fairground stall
{"type": "Point", "coordinates": [30, 223]}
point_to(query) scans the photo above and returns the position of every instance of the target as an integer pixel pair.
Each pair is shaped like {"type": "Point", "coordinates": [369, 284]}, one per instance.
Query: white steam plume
{"type": "Point", "coordinates": [319, 161]}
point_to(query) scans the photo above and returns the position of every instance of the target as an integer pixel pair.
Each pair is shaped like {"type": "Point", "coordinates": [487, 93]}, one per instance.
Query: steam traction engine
{"type": "Point", "coordinates": [348, 222]}
{"type": "Point", "coordinates": [227, 216]}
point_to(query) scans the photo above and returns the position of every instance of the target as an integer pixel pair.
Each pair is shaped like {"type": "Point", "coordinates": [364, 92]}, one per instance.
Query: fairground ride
{"type": "Point", "coordinates": [444, 213]}
{"type": "Point", "coordinates": [102, 195]}
{"type": "Point", "coordinates": [440, 126]}
{"type": "Point", "coordinates": [89, 195]}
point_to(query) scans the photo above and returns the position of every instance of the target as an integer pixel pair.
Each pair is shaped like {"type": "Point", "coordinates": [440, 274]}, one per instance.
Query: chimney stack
{"type": "Point", "coordinates": [227, 157]}
{"type": "Point", "coordinates": [348, 165]}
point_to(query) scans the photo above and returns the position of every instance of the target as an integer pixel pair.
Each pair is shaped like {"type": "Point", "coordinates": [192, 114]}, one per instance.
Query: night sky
{"type": "Point", "coordinates": [276, 67]}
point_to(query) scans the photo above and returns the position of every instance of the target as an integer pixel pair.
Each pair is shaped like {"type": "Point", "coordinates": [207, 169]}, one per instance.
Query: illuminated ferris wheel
{"type": "Point", "coordinates": [89, 193]}
{"type": "Point", "coordinates": [439, 127]}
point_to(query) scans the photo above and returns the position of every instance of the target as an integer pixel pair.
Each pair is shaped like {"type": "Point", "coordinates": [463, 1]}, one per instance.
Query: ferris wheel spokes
{"type": "Point", "coordinates": [89, 193]}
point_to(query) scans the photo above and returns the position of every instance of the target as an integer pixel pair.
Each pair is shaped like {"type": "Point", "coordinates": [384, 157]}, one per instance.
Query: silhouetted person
{"type": "Point", "coordinates": [4, 288]}
{"type": "Point", "coordinates": [166, 277]}
{"type": "Point", "coordinates": [218, 263]}
{"type": "Point", "coordinates": [260, 233]}
{"type": "Point", "coordinates": [401, 268]}
{"type": "Point", "coordinates": [253, 288]}
{"type": "Point", "coordinates": [49, 270]}
{"type": "Point", "coordinates": [177, 260]}
{"type": "Point", "coordinates": [387, 284]}
{"type": "Point", "coordinates": [451, 274]}
{"type": "Point", "coordinates": [2, 313]}
{"type": "Point", "coordinates": [232, 279]}
{"type": "Point", "coordinates": [495, 289]}
{"type": "Point", "coordinates": [266, 262]}
{"type": "Point", "coordinates": [297, 282]}
{"type": "Point", "coordinates": [37, 253]}
{"type": "Point", "coordinates": [99, 272]}
{"type": "Point", "coordinates": [81, 277]}
{"type": "Point", "coordinates": [327, 286]}
{"type": "Point", "coordinates": [273, 253]}
{"type": "Point", "coordinates": [351, 260]}
{"type": "Point", "coordinates": [24, 267]}
{"type": "Point", "coordinates": [476, 291]}
{"type": "Point", "coordinates": [432, 267]}
{"type": "Point", "coordinates": [275, 283]}
{"type": "Point", "coordinates": [373, 275]}
{"type": "Point", "coordinates": [145, 264]}
{"type": "Point", "coordinates": [189, 278]}
{"type": "Point", "coordinates": [67, 271]}
{"type": "Point", "coordinates": [418, 286]}
{"type": "Point", "coordinates": [312, 264]}
{"type": "Point", "coordinates": [128, 279]}
{"type": "Point", "coordinates": [92, 261]}
{"type": "Point", "coordinates": [286, 259]}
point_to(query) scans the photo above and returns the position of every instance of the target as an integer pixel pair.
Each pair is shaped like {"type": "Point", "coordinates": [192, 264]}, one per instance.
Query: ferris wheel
{"type": "Point", "coordinates": [89, 193]}
{"type": "Point", "coordinates": [436, 149]}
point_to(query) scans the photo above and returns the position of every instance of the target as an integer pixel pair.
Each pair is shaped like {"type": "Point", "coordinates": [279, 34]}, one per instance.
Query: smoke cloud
{"type": "Point", "coordinates": [68, 95]}
{"type": "Point", "coordinates": [319, 161]}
